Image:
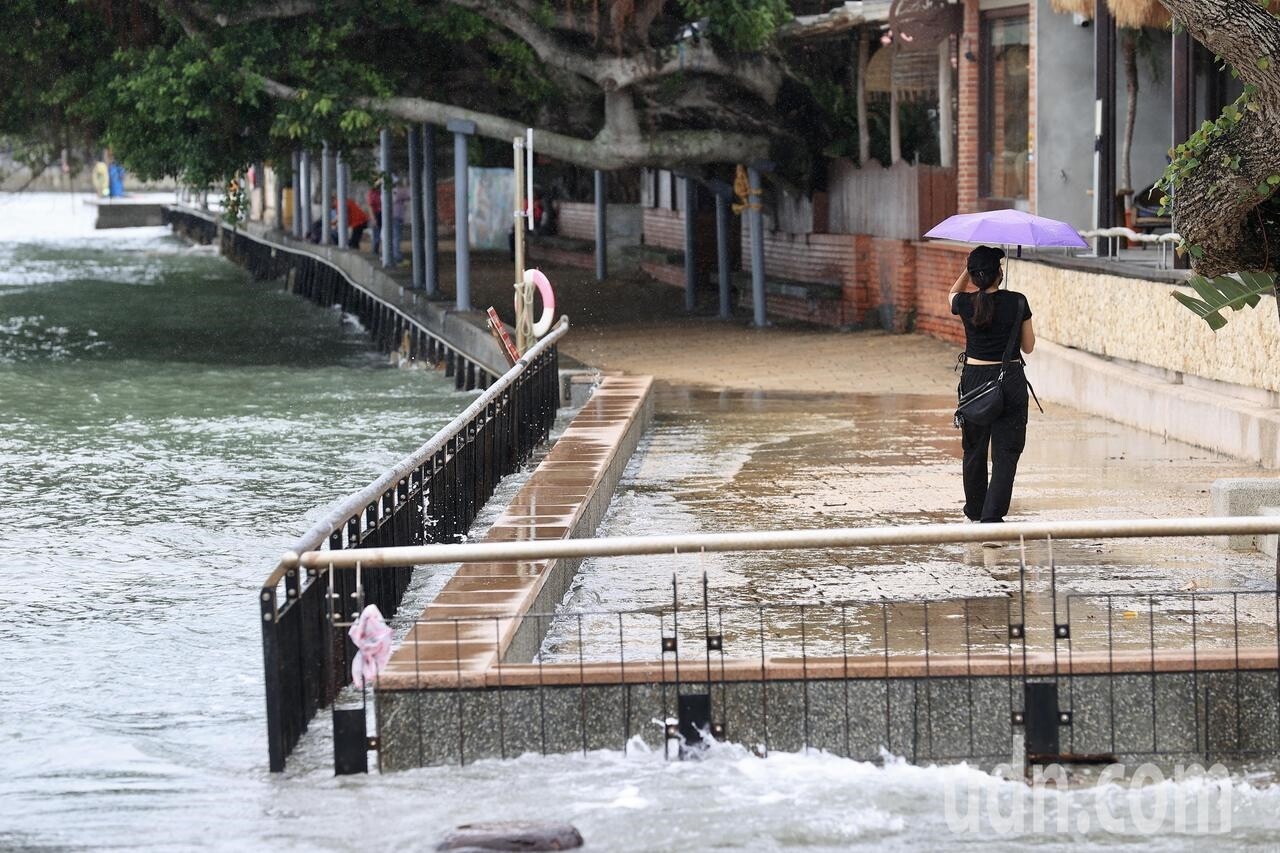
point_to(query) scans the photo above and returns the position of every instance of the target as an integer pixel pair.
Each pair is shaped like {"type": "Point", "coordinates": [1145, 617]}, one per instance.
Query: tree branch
{"type": "Point", "coordinates": [853, 13]}
{"type": "Point", "coordinates": [612, 148]}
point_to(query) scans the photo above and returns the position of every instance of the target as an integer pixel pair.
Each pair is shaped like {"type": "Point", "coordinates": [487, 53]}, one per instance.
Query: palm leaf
{"type": "Point", "coordinates": [1233, 291]}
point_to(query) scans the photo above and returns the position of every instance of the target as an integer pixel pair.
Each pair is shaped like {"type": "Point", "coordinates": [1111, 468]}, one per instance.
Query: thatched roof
{"type": "Point", "coordinates": [1128, 13]}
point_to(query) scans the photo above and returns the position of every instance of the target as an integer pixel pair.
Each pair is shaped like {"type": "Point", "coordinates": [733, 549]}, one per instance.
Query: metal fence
{"type": "Point", "coordinates": [433, 495]}
{"type": "Point", "coordinates": [309, 276]}
{"type": "Point", "coordinates": [1046, 672]}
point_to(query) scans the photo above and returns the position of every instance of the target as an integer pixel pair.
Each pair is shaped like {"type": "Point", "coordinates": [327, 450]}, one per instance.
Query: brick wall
{"type": "Point", "coordinates": [664, 228]}
{"type": "Point", "coordinates": [967, 156]}
{"type": "Point", "coordinates": [445, 216]}
{"type": "Point", "coordinates": [937, 265]}
{"type": "Point", "coordinates": [577, 220]}
{"type": "Point", "coordinates": [1031, 107]}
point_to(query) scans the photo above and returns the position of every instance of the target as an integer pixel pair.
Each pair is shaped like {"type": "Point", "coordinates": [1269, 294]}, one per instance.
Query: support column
{"type": "Point", "coordinates": [462, 255]}
{"type": "Point", "coordinates": [295, 184]}
{"type": "Point", "coordinates": [304, 203]}
{"type": "Point", "coordinates": [429, 194]}
{"type": "Point", "coordinates": [344, 227]}
{"type": "Point", "coordinates": [326, 192]}
{"type": "Point", "coordinates": [755, 220]}
{"type": "Point", "coordinates": [1104, 77]}
{"type": "Point", "coordinates": [415, 203]}
{"type": "Point", "coordinates": [602, 233]}
{"type": "Point", "coordinates": [384, 166]}
{"type": "Point", "coordinates": [722, 254]}
{"type": "Point", "coordinates": [279, 195]}
{"type": "Point", "coordinates": [690, 241]}
{"type": "Point", "coordinates": [946, 157]}
{"type": "Point", "coordinates": [260, 175]}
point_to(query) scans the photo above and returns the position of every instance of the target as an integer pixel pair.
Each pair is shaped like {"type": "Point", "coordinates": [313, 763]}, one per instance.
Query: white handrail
{"type": "Point", "coordinates": [780, 540]}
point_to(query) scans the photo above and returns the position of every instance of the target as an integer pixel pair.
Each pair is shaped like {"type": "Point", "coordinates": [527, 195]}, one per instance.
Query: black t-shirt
{"type": "Point", "coordinates": [988, 343]}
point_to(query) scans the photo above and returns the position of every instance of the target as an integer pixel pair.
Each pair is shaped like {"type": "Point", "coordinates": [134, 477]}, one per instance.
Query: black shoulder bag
{"type": "Point", "coordinates": [982, 405]}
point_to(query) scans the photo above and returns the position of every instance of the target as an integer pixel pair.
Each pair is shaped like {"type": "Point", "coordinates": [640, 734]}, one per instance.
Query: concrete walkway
{"type": "Point", "coordinates": [790, 426]}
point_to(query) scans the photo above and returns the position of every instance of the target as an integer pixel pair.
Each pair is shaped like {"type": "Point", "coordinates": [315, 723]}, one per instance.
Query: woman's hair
{"type": "Point", "coordinates": [984, 303]}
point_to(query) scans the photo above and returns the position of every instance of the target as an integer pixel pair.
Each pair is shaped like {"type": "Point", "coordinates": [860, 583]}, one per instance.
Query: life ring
{"type": "Point", "coordinates": [540, 281]}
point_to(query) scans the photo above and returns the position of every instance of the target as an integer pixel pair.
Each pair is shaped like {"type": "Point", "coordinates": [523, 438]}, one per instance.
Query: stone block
{"type": "Point", "coordinates": [1233, 496]}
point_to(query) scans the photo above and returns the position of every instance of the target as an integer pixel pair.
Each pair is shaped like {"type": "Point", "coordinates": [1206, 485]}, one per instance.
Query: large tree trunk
{"type": "Point", "coordinates": [1216, 203]}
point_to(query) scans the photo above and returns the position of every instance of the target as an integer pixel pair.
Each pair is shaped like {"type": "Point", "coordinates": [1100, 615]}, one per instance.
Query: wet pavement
{"type": "Point", "coordinates": [791, 426]}
{"type": "Point", "coordinates": [726, 460]}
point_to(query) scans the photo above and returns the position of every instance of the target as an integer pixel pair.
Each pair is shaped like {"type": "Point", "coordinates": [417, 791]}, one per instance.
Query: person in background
{"type": "Point", "coordinates": [374, 200]}
{"type": "Point", "coordinates": [990, 316]}
{"type": "Point", "coordinates": [357, 221]}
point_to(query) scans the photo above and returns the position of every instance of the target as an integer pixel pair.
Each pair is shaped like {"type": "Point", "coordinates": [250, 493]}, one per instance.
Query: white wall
{"type": "Point", "coordinates": [1065, 117]}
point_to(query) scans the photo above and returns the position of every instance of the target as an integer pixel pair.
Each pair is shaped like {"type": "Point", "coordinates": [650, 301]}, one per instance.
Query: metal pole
{"type": "Point", "coordinates": [1104, 76]}
{"type": "Point", "coordinates": [344, 229]}
{"type": "Point", "coordinates": [305, 201]}
{"type": "Point", "coordinates": [326, 193]}
{"type": "Point", "coordinates": [384, 166]}
{"type": "Point", "coordinates": [432, 238]}
{"type": "Point", "coordinates": [690, 258]}
{"type": "Point", "coordinates": [782, 540]}
{"type": "Point", "coordinates": [415, 204]}
{"type": "Point", "coordinates": [523, 293]}
{"type": "Point", "coordinates": [602, 228]}
{"type": "Point", "coordinates": [275, 173]}
{"type": "Point", "coordinates": [260, 174]}
{"type": "Point", "coordinates": [722, 254]}
{"type": "Point", "coordinates": [462, 253]}
{"type": "Point", "coordinates": [296, 185]}
{"type": "Point", "coordinates": [755, 219]}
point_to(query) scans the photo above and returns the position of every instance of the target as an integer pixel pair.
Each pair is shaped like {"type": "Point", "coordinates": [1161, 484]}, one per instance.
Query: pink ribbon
{"type": "Point", "coordinates": [372, 637]}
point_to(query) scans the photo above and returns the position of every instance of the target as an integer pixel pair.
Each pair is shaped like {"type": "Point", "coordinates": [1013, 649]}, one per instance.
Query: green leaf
{"type": "Point", "coordinates": [1263, 63]}
{"type": "Point", "coordinates": [1228, 291]}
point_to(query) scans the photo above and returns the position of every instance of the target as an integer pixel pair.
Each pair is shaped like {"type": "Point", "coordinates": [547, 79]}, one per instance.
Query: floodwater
{"type": "Point", "coordinates": [717, 461]}
{"type": "Point", "coordinates": [168, 426]}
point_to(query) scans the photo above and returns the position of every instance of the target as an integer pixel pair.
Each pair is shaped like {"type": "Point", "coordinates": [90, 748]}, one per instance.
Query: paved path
{"type": "Point", "coordinates": [791, 427]}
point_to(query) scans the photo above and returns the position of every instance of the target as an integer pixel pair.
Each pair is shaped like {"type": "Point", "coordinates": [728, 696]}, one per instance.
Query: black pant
{"type": "Point", "coordinates": [983, 500]}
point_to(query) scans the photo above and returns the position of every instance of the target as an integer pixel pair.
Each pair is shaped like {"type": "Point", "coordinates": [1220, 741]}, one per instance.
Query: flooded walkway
{"type": "Point", "coordinates": [730, 460]}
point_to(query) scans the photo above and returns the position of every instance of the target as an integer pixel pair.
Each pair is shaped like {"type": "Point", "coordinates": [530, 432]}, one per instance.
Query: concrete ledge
{"type": "Point", "coordinates": [1219, 422]}
{"type": "Point", "coordinates": [479, 617]}
{"type": "Point", "coordinates": [1172, 712]}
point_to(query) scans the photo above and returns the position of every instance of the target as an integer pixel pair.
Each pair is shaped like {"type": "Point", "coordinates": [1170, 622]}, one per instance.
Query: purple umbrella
{"type": "Point", "coordinates": [1010, 227]}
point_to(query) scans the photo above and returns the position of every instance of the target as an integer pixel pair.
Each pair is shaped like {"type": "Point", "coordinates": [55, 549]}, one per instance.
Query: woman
{"type": "Point", "coordinates": [990, 315]}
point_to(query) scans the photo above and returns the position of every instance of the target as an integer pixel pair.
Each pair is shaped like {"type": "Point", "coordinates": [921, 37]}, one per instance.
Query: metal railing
{"type": "Point", "coordinates": [312, 277]}
{"type": "Point", "coordinates": [1058, 673]}
{"type": "Point", "coordinates": [433, 495]}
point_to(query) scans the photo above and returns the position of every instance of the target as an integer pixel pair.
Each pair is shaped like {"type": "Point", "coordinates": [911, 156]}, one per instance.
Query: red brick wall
{"type": "Point", "coordinates": [445, 214]}
{"type": "Point", "coordinates": [1031, 108]}
{"type": "Point", "coordinates": [937, 265]}
{"type": "Point", "coordinates": [664, 228]}
{"type": "Point", "coordinates": [577, 220]}
{"type": "Point", "coordinates": [967, 156]}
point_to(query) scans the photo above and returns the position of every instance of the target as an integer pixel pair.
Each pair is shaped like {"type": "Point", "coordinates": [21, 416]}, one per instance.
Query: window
{"type": "Point", "coordinates": [1003, 145]}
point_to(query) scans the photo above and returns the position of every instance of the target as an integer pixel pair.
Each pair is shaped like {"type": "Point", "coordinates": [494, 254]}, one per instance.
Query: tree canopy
{"type": "Point", "coordinates": [201, 88]}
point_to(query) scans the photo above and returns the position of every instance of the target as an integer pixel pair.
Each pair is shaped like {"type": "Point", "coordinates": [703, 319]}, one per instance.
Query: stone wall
{"type": "Point", "coordinates": [1139, 321]}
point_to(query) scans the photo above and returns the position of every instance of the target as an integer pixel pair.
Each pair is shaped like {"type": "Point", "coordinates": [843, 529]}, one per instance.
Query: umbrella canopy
{"type": "Point", "coordinates": [1010, 227]}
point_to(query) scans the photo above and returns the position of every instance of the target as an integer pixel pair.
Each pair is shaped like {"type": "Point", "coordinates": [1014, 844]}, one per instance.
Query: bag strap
{"type": "Point", "coordinates": [1011, 347]}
